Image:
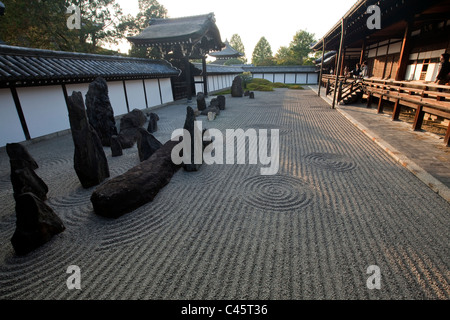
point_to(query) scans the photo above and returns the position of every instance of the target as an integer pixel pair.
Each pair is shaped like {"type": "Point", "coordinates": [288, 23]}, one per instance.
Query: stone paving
{"type": "Point", "coordinates": [338, 205]}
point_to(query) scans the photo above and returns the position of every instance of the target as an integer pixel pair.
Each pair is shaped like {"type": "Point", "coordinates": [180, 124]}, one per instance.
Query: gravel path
{"type": "Point", "coordinates": [338, 205]}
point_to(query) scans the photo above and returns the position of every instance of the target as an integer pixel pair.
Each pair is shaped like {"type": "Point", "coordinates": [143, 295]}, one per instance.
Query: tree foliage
{"type": "Point", "coordinates": [131, 26]}
{"type": "Point", "coordinates": [43, 24]}
{"type": "Point", "coordinates": [262, 54]}
{"type": "Point", "coordinates": [236, 43]}
{"type": "Point", "coordinates": [298, 51]}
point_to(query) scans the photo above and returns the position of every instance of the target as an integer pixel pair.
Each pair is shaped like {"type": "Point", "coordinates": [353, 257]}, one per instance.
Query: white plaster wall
{"type": "Point", "coordinates": [198, 86]}
{"type": "Point", "coordinates": [301, 78]}
{"type": "Point", "coordinates": [166, 90]}
{"type": "Point", "coordinates": [44, 109]}
{"type": "Point", "coordinates": [290, 78]}
{"type": "Point", "coordinates": [432, 72]}
{"type": "Point", "coordinates": [81, 87]}
{"type": "Point", "coordinates": [409, 72]}
{"type": "Point", "coordinates": [10, 127]}
{"type": "Point", "coordinates": [313, 78]}
{"type": "Point", "coordinates": [268, 76]}
{"type": "Point", "coordinates": [117, 97]}
{"type": "Point", "coordinates": [257, 76]}
{"type": "Point", "coordinates": [279, 77]}
{"type": "Point", "coordinates": [210, 84]}
{"type": "Point", "coordinates": [152, 89]}
{"type": "Point", "coordinates": [135, 94]}
{"type": "Point", "coordinates": [418, 71]}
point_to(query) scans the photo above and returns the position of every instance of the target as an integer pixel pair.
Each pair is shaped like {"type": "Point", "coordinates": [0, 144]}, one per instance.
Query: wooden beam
{"type": "Point", "coordinates": [188, 80]}
{"type": "Point", "coordinates": [363, 52]}
{"type": "Point", "coordinates": [126, 95]}
{"type": "Point", "coordinates": [380, 105]}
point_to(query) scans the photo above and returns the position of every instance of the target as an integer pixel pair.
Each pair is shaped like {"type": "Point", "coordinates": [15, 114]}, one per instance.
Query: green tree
{"type": "Point", "coordinates": [262, 52]}
{"type": "Point", "coordinates": [131, 26]}
{"type": "Point", "coordinates": [284, 56]}
{"type": "Point", "coordinates": [236, 43]}
{"type": "Point", "coordinates": [43, 24]}
{"type": "Point", "coordinates": [233, 61]}
{"type": "Point", "coordinates": [300, 46]}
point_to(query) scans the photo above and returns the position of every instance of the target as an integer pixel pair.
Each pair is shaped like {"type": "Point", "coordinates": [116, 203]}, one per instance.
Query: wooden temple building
{"type": "Point", "coordinates": [226, 54]}
{"type": "Point", "coordinates": [181, 40]}
{"type": "Point", "coordinates": [402, 56]}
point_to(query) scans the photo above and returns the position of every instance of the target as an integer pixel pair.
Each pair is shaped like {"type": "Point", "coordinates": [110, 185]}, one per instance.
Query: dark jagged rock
{"type": "Point", "coordinates": [214, 103]}
{"type": "Point", "coordinates": [36, 224]}
{"type": "Point", "coordinates": [221, 99]}
{"type": "Point", "coordinates": [252, 95]}
{"type": "Point", "coordinates": [129, 125]}
{"type": "Point", "coordinates": [210, 109]}
{"type": "Point", "coordinates": [26, 180]}
{"type": "Point", "coordinates": [153, 123]}
{"type": "Point", "coordinates": [99, 111]}
{"type": "Point", "coordinates": [137, 186]}
{"type": "Point", "coordinates": [147, 144]}
{"type": "Point", "coordinates": [236, 87]}
{"type": "Point", "coordinates": [90, 161]}
{"type": "Point", "coordinates": [201, 103]}
{"type": "Point", "coordinates": [246, 93]}
{"type": "Point", "coordinates": [19, 157]}
{"type": "Point", "coordinates": [190, 126]}
{"type": "Point", "coordinates": [116, 147]}
{"type": "Point", "coordinates": [23, 177]}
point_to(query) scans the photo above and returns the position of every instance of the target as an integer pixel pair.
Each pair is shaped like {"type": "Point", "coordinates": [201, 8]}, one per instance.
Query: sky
{"type": "Point", "coordinates": [277, 21]}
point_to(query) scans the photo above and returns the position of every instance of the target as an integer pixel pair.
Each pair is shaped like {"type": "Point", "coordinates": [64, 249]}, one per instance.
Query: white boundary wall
{"type": "Point", "coordinates": [45, 109]}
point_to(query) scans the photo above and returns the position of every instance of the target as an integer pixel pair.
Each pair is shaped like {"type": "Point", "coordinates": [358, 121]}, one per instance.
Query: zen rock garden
{"type": "Point", "coordinates": [93, 127]}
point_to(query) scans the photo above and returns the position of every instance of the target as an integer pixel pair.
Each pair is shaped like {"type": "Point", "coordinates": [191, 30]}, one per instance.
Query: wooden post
{"type": "Point", "coordinates": [188, 80]}
{"type": "Point", "coordinates": [418, 119]}
{"type": "Point", "coordinates": [447, 137]}
{"type": "Point", "coordinates": [205, 77]}
{"type": "Point", "coordinates": [340, 91]}
{"type": "Point", "coordinates": [339, 60]}
{"type": "Point", "coordinates": [321, 65]}
{"type": "Point", "coordinates": [369, 99]}
{"type": "Point", "coordinates": [380, 105]}
{"type": "Point", "coordinates": [19, 110]}
{"type": "Point", "coordinates": [363, 52]}
{"type": "Point", "coordinates": [341, 69]}
{"type": "Point", "coordinates": [404, 53]}
{"type": "Point", "coordinates": [396, 112]}
{"type": "Point", "coordinates": [327, 92]}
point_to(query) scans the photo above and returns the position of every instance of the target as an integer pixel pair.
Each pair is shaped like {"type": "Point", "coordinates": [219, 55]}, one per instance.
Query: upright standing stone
{"type": "Point", "coordinates": [236, 87]}
{"type": "Point", "coordinates": [221, 99]}
{"type": "Point", "coordinates": [153, 123]}
{"type": "Point", "coordinates": [252, 95]}
{"type": "Point", "coordinates": [201, 103]}
{"type": "Point", "coordinates": [100, 112]}
{"type": "Point", "coordinates": [147, 144]}
{"type": "Point", "coordinates": [36, 224]}
{"type": "Point", "coordinates": [19, 157]}
{"type": "Point", "coordinates": [193, 130]}
{"type": "Point", "coordinates": [129, 125]}
{"type": "Point", "coordinates": [23, 177]}
{"type": "Point", "coordinates": [90, 161]}
{"type": "Point", "coordinates": [116, 147]}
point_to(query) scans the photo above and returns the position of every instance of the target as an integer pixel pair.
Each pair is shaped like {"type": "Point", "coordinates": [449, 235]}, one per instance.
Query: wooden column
{"type": "Point", "coordinates": [188, 80]}
{"type": "Point", "coordinates": [341, 45]}
{"type": "Point", "coordinates": [404, 53]}
{"type": "Point", "coordinates": [341, 68]}
{"type": "Point", "coordinates": [205, 77]}
{"type": "Point", "coordinates": [363, 52]}
{"type": "Point", "coordinates": [19, 110]}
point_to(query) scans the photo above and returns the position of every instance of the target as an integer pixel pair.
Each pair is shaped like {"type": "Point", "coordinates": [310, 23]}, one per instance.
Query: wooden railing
{"type": "Point", "coordinates": [423, 97]}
